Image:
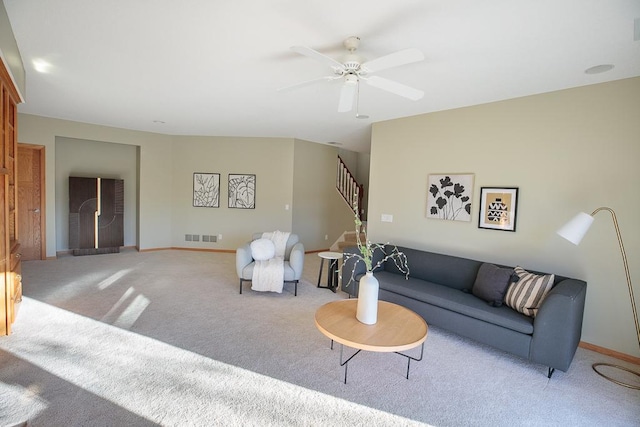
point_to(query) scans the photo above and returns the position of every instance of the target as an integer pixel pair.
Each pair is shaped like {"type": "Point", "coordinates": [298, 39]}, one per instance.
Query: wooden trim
{"type": "Point", "coordinates": [175, 248]}
{"type": "Point", "coordinates": [609, 352]}
{"type": "Point", "coordinates": [11, 86]}
{"type": "Point", "coordinates": [226, 251]}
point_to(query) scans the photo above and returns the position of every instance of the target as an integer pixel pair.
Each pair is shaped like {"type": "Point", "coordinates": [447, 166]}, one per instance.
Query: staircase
{"type": "Point", "coordinates": [351, 192]}
{"type": "Point", "coordinates": [348, 239]}
{"type": "Point", "coordinates": [349, 188]}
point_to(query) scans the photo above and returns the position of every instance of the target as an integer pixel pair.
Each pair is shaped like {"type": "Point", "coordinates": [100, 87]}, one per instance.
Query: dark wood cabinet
{"type": "Point", "coordinates": [96, 215]}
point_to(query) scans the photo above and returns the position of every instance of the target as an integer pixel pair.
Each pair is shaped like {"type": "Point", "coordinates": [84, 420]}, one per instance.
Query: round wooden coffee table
{"type": "Point", "coordinates": [397, 329]}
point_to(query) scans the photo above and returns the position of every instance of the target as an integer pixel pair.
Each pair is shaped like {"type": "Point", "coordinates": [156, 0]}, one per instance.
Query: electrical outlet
{"type": "Point", "coordinates": [219, 236]}
{"type": "Point", "coordinates": [326, 237]}
{"type": "Point", "coordinates": [386, 218]}
{"type": "Point", "coordinates": [188, 237]}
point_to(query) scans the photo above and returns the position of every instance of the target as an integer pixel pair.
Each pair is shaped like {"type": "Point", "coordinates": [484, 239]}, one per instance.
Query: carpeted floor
{"type": "Point", "coordinates": [164, 338]}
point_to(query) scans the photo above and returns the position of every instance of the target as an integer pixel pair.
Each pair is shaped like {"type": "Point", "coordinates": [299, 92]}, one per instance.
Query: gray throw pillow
{"type": "Point", "coordinates": [491, 283]}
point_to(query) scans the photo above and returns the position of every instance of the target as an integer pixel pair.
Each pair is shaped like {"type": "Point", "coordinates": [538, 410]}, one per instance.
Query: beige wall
{"type": "Point", "coordinates": [270, 159]}
{"type": "Point", "coordinates": [163, 184]}
{"type": "Point", "coordinates": [93, 159]}
{"type": "Point", "coordinates": [9, 52]}
{"type": "Point", "coordinates": [320, 215]}
{"type": "Point", "coordinates": [154, 176]}
{"type": "Point", "coordinates": [567, 151]}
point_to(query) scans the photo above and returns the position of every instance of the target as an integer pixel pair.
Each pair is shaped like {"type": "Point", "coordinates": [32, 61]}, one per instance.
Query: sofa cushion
{"type": "Point", "coordinates": [455, 300]}
{"type": "Point", "coordinates": [455, 272]}
{"type": "Point", "coordinates": [526, 294]}
{"type": "Point", "coordinates": [262, 249]}
{"type": "Point", "coordinates": [491, 283]}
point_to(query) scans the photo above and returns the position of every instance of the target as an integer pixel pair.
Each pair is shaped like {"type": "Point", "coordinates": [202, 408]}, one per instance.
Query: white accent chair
{"type": "Point", "coordinates": [293, 261]}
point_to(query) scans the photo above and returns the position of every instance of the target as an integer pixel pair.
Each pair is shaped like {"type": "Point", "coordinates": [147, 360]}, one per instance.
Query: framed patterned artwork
{"type": "Point", "coordinates": [206, 190]}
{"type": "Point", "coordinates": [498, 208]}
{"type": "Point", "coordinates": [242, 191]}
{"type": "Point", "coordinates": [449, 196]}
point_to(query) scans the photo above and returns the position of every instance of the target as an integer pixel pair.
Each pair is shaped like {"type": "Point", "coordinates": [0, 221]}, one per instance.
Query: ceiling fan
{"type": "Point", "coordinates": [355, 68]}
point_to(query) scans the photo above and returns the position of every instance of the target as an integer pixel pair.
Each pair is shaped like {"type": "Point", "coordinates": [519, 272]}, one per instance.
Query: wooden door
{"type": "Point", "coordinates": [31, 199]}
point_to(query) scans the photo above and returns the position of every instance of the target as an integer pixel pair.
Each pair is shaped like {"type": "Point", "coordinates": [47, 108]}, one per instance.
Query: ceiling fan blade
{"type": "Point", "coordinates": [395, 87]}
{"type": "Point", "coordinates": [402, 57]}
{"type": "Point", "coordinates": [307, 83]}
{"type": "Point", "coordinates": [347, 94]}
{"type": "Point", "coordinates": [314, 54]}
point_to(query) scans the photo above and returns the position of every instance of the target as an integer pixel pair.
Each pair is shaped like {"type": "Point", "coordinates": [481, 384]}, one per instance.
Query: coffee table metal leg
{"type": "Point", "coordinates": [345, 363]}
{"type": "Point", "coordinates": [410, 358]}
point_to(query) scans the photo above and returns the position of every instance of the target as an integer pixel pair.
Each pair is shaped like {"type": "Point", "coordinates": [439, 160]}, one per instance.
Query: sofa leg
{"type": "Point", "coordinates": [551, 371]}
{"type": "Point", "coordinates": [240, 286]}
{"type": "Point", "coordinates": [295, 289]}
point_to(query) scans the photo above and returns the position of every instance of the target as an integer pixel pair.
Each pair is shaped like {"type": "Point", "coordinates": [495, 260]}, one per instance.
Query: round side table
{"type": "Point", "coordinates": [332, 269]}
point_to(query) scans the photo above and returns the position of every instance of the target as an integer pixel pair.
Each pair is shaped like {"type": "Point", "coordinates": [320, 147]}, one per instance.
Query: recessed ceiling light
{"type": "Point", "coordinates": [334, 143]}
{"type": "Point", "coordinates": [160, 122]}
{"type": "Point", "coordinates": [41, 66]}
{"type": "Point", "coordinates": [603, 68]}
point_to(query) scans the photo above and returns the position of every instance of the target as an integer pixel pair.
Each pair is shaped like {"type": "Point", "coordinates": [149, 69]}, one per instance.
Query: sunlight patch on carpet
{"type": "Point", "coordinates": [167, 384]}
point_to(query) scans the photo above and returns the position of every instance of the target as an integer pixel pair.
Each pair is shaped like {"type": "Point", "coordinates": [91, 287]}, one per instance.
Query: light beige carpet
{"type": "Point", "coordinates": [164, 338]}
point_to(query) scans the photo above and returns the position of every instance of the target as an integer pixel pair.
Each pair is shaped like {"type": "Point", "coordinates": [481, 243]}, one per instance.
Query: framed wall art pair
{"type": "Point", "coordinates": [206, 190]}
{"type": "Point", "coordinates": [449, 197]}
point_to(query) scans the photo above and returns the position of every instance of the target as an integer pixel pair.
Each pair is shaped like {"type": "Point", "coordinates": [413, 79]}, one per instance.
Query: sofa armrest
{"type": "Point", "coordinates": [243, 258]}
{"type": "Point", "coordinates": [296, 260]}
{"type": "Point", "coordinates": [557, 327]}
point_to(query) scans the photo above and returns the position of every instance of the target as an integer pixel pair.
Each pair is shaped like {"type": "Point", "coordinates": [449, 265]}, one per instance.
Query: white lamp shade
{"type": "Point", "coordinates": [575, 229]}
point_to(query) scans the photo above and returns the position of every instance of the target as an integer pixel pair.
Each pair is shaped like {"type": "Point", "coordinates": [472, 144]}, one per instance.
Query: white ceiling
{"type": "Point", "coordinates": [213, 67]}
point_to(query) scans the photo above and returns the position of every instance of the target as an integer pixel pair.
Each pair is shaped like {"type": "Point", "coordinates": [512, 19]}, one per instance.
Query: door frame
{"type": "Point", "coordinates": [43, 197]}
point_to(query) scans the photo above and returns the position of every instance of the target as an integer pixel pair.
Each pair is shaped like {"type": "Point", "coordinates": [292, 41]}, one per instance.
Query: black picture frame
{"type": "Point", "coordinates": [498, 208]}
{"type": "Point", "coordinates": [206, 190]}
{"type": "Point", "coordinates": [242, 191]}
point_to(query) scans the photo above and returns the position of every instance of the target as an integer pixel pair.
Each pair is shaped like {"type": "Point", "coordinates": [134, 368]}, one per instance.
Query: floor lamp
{"type": "Point", "coordinates": [574, 231]}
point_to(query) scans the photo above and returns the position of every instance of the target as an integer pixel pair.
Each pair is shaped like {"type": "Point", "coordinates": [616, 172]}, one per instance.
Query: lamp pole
{"type": "Point", "coordinates": [631, 297]}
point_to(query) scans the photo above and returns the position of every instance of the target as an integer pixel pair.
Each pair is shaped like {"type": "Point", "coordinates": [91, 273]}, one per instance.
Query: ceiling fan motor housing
{"type": "Point", "coordinates": [351, 79]}
{"type": "Point", "coordinates": [353, 68]}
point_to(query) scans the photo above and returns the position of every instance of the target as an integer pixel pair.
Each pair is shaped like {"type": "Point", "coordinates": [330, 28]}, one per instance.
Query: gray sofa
{"type": "Point", "coordinates": [439, 288]}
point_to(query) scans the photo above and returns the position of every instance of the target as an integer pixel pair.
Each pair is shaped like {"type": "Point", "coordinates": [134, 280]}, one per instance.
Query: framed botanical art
{"type": "Point", "coordinates": [498, 208]}
{"type": "Point", "coordinates": [206, 190]}
{"type": "Point", "coordinates": [242, 191]}
{"type": "Point", "coordinates": [449, 196]}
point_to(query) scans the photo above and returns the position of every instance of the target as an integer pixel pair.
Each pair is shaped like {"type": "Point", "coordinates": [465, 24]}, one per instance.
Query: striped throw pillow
{"type": "Point", "coordinates": [526, 295]}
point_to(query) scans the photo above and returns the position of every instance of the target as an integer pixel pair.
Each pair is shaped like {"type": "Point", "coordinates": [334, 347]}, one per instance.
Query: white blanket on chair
{"type": "Point", "coordinates": [268, 275]}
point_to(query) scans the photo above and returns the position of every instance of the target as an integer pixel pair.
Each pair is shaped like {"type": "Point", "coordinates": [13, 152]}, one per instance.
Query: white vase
{"type": "Point", "coordinates": [367, 310]}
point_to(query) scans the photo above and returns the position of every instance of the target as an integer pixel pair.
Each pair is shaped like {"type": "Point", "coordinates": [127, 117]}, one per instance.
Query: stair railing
{"type": "Point", "coordinates": [348, 187]}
